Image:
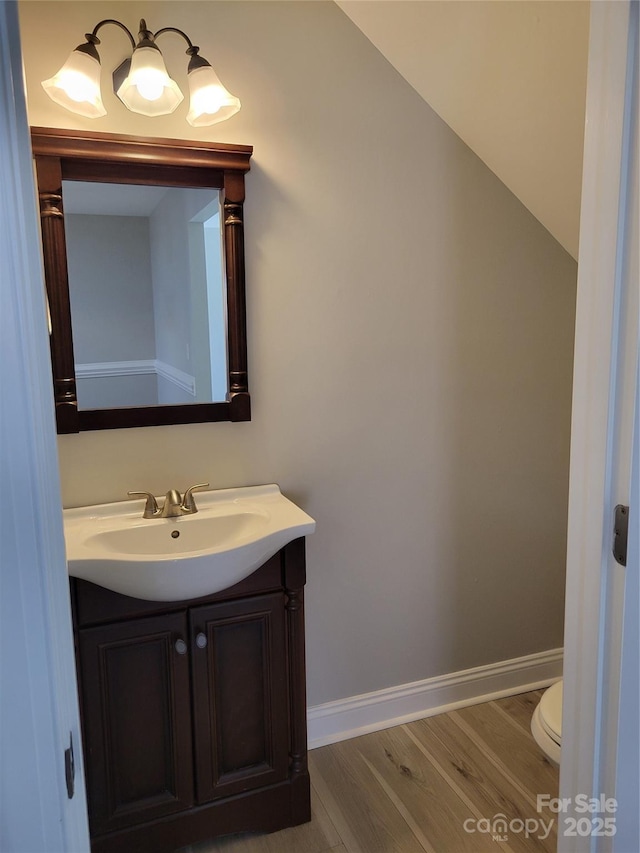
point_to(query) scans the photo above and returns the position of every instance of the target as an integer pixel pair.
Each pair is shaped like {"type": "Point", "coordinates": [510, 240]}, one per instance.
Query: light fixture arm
{"type": "Point", "coordinates": [93, 36]}
{"type": "Point", "coordinates": [180, 33]}
{"type": "Point", "coordinates": [196, 61]}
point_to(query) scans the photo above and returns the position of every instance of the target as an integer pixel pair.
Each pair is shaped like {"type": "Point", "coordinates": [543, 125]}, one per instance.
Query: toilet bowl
{"type": "Point", "coordinates": [546, 723]}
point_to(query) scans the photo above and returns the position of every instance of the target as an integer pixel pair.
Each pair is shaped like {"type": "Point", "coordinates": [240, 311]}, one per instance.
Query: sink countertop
{"type": "Point", "coordinates": [168, 559]}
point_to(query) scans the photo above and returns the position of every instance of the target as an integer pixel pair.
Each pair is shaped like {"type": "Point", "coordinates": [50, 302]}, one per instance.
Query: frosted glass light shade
{"type": "Point", "coordinates": [76, 85]}
{"type": "Point", "coordinates": [148, 89]}
{"type": "Point", "coordinates": [209, 101]}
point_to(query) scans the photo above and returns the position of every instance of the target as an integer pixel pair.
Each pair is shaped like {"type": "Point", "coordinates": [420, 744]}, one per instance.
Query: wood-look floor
{"type": "Point", "coordinates": [415, 787]}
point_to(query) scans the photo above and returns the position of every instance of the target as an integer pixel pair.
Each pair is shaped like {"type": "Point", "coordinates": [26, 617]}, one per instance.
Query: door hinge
{"type": "Point", "coordinates": [620, 531]}
{"type": "Point", "coordinates": [70, 768]}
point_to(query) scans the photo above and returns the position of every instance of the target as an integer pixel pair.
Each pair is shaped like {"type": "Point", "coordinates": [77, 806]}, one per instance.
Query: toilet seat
{"type": "Point", "coordinates": [551, 711]}
{"type": "Point", "coordinates": [546, 723]}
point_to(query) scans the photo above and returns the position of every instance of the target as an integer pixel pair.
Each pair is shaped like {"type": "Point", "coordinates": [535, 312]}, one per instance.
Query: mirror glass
{"type": "Point", "coordinates": [147, 294]}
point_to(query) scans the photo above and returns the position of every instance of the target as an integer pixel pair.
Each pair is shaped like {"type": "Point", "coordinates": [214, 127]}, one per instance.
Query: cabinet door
{"type": "Point", "coordinates": [240, 695]}
{"type": "Point", "coordinates": [135, 691]}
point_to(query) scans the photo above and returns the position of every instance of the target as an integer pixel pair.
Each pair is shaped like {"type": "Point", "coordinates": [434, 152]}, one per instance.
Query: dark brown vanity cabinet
{"type": "Point", "coordinates": [137, 720]}
{"type": "Point", "coordinates": [193, 713]}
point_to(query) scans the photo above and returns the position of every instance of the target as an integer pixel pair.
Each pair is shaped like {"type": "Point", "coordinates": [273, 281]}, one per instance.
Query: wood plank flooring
{"type": "Point", "coordinates": [433, 786]}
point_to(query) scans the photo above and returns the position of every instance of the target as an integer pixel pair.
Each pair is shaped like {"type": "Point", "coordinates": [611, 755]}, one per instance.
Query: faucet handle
{"type": "Point", "coordinates": [151, 506]}
{"type": "Point", "coordinates": [188, 503]}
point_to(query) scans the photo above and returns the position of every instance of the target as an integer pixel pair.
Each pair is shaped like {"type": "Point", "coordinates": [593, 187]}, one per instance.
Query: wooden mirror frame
{"type": "Point", "coordinates": [113, 158]}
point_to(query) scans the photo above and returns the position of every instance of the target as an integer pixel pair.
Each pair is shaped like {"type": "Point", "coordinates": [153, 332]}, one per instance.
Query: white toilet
{"type": "Point", "coordinates": [546, 723]}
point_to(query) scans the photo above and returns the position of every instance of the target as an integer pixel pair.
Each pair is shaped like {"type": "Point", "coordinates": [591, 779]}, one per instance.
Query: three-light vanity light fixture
{"type": "Point", "coordinates": [141, 82]}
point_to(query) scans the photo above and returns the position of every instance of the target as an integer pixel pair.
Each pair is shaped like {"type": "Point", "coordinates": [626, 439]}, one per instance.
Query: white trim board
{"type": "Point", "coordinates": [177, 377]}
{"type": "Point", "coordinates": [141, 367]}
{"type": "Point", "coordinates": [38, 688]}
{"type": "Point", "coordinates": [100, 369]}
{"type": "Point", "coordinates": [393, 706]}
{"type": "Point", "coordinates": [601, 431]}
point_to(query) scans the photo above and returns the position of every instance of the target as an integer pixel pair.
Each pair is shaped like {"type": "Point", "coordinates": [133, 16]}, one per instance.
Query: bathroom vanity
{"type": "Point", "coordinates": [194, 712]}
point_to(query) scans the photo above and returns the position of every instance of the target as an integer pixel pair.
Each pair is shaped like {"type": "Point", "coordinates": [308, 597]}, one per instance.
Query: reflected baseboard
{"type": "Point", "coordinates": [140, 367]}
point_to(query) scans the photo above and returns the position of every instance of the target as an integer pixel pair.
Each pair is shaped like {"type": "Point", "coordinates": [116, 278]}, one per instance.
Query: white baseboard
{"type": "Point", "coordinates": [176, 377]}
{"type": "Point", "coordinates": [102, 369]}
{"type": "Point", "coordinates": [392, 706]}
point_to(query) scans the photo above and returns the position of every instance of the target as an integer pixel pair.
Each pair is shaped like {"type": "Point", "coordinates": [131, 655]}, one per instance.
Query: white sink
{"type": "Point", "coordinates": [172, 559]}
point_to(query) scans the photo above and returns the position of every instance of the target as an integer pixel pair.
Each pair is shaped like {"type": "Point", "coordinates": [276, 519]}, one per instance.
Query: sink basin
{"type": "Point", "coordinates": [174, 559]}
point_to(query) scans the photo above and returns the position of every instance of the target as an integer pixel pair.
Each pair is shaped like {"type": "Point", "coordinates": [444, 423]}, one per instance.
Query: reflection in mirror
{"type": "Point", "coordinates": [147, 293]}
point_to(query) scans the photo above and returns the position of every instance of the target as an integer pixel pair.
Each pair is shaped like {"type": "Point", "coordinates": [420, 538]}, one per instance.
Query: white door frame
{"type": "Point", "coordinates": [604, 349]}
{"type": "Point", "coordinates": [38, 694]}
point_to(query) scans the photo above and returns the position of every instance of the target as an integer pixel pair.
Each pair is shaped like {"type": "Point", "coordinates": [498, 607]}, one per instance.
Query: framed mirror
{"type": "Point", "coordinates": [143, 251]}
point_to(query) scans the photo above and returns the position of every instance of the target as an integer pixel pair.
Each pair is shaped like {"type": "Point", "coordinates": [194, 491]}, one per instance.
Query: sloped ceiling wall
{"type": "Point", "coordinates": [508, 77]}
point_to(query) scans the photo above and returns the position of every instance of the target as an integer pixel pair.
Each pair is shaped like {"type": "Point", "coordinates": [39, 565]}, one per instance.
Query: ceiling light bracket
{"type": "Point", "coordinates": [145, 37]}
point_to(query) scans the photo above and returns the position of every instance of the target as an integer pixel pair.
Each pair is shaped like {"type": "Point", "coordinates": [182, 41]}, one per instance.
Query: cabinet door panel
{"type": "Point", "coordinates": [137, 721]}
{"type": "Point", "coordinates": [240, 696]}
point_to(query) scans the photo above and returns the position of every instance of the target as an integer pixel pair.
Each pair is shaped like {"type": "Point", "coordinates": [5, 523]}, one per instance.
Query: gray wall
{"type": "Point", "coordinates": [180, 290]}
{"type": "Point", "coordinates": [109, 278]}
{"type": "Point", "coordinates": [410, 349]}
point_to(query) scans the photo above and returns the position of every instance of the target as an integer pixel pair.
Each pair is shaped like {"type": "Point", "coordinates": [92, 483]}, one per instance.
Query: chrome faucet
{"type": "Point", "coordinates": [174, 504]}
